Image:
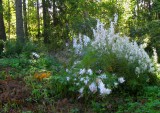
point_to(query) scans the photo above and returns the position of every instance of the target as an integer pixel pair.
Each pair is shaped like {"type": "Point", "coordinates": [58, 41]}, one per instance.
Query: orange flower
{"type": "Point", "coordinates": [42, 75]}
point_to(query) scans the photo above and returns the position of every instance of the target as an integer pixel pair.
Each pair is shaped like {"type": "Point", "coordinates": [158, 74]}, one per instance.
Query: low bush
{"type": "Point", "coordinates": [148, 101]}
{"type": "Point", "coordinates": [14, 49]}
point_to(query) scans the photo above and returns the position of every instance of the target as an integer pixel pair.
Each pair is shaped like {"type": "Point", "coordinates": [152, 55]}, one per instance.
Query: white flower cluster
{"type": "Point", "coordinates": [79, 43]}
{"type": "Point", "coordinates": [93, 87]}
{"type": "Point", "coordinates": [102, 88]}
{"type": "Point", "coordinates": [34, 54]}
{"type": "Point", "coordinates": [122, 47]}
{"type": "Point", "coordinates": [84, 79]}
{"type": "Point", "coordinates": [110, 42]}
{"type": "Point", "coordinates": [121, 80]}
{"type": "Point", "coordinates": [155, 60]}
{"type": "Point", "coordinates": [155, 56]}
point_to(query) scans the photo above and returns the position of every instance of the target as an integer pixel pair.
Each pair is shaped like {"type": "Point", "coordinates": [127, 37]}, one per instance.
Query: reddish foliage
{"type": "Point", "coordinates": [13, 90]}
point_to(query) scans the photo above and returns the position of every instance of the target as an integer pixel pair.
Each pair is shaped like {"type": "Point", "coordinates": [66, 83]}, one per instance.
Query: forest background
{"type": "Point", "coordinates": [56, 22]}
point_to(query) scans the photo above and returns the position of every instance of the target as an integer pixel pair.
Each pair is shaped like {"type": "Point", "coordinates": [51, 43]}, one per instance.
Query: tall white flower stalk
{"type": "Point", "coordinates": [108, 40]}
{"type": "Point", "coordinates": [79, 43]}
{"type": "Point", "coordinates": [155, 60]}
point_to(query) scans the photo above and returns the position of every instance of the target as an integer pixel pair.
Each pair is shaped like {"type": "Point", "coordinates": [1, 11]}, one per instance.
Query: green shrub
{"type": "Point", "coordinates": [108, 61]}
{"type": "Point", "coordinates": [14, 49]}
{"type": "Point", "coordinates": [147, 102]}
{"type": "Point", "coordinates": [28, 48]}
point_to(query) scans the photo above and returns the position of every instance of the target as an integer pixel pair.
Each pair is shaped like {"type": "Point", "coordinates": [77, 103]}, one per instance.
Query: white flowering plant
{"type": "Point", "coordinates": [108, 61]}
{"type": "Point", "coordinates": [87, 81]}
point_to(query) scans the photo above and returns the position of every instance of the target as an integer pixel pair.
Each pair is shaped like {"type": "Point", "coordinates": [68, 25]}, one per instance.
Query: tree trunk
{"type": "Point", "coordinates": [25, 20]}
{"type": "Point", "coordinates": [9, 20]}
{"type": "Point", "coordinates": [45, 22]}
{"type": "Point", "coordinates": [38, 19]}
{"type": "Point", "coordinates": [2, 27]}
{"type": "Point", "coordinates": [19, 22]}
{"type": "Point", "coordinates": [54, 13]}
{"type": "Point", "coordinates": [55, 19]}
{"type": "Point", "coordinates": [149, 10]}
{"type": "Point", "coordinates": [158, 16]}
